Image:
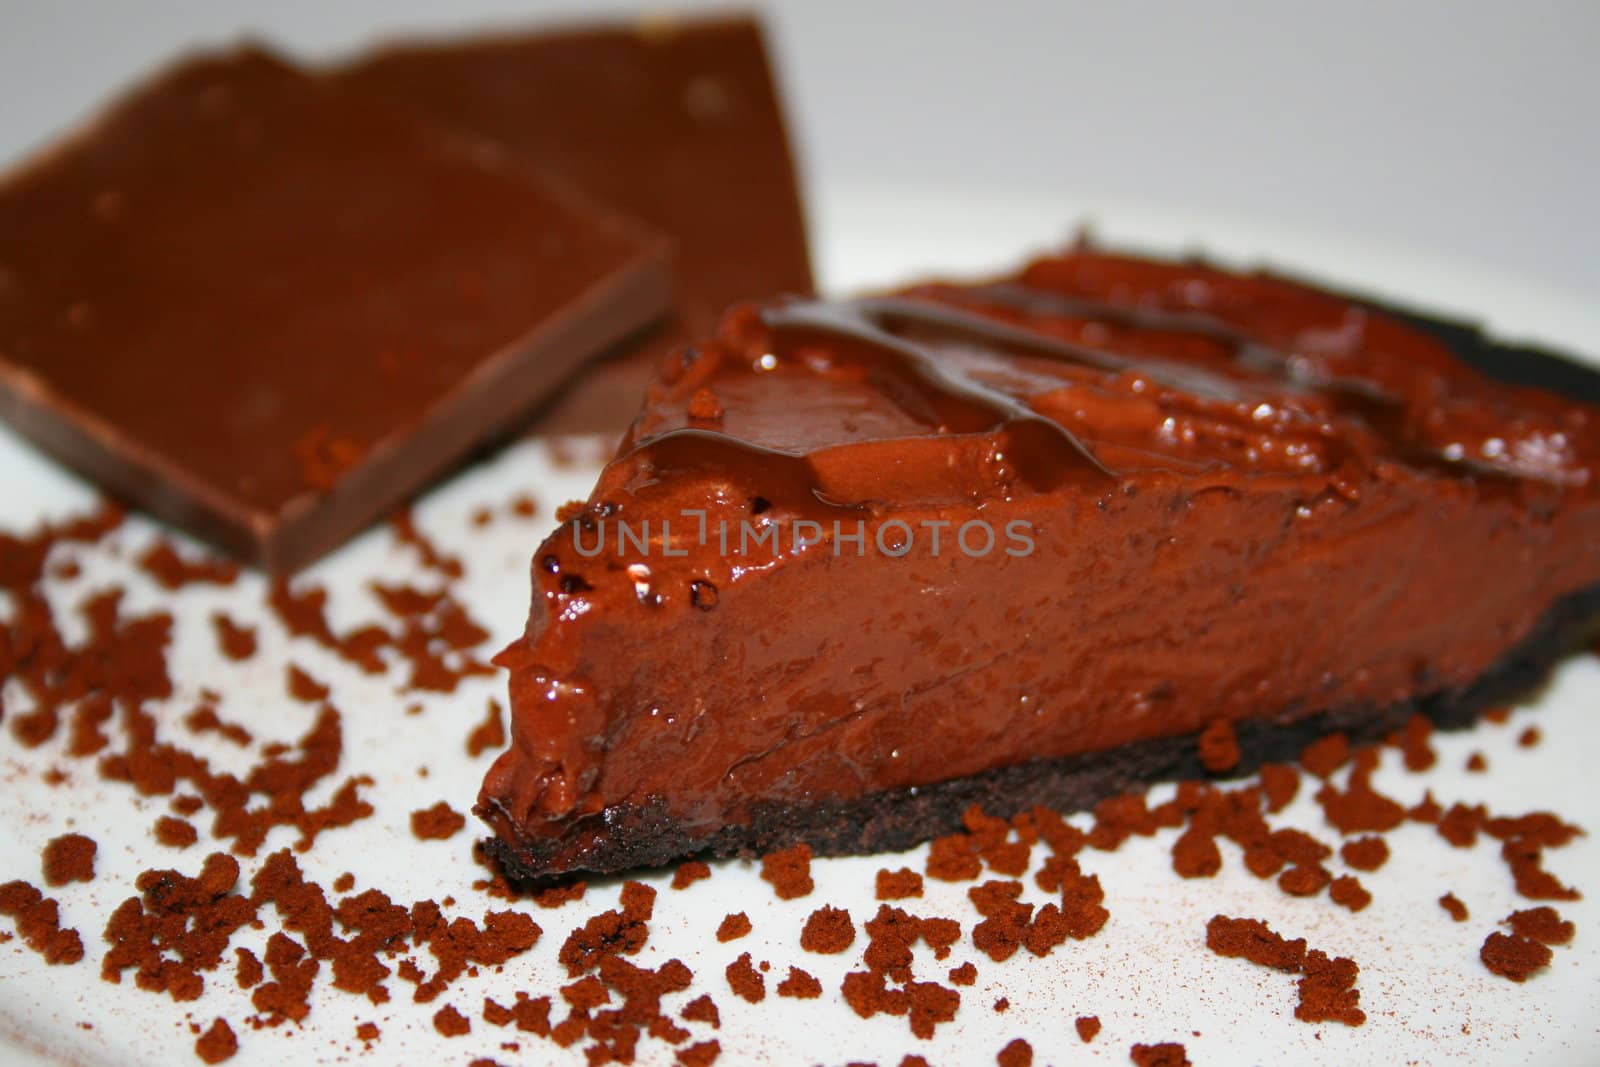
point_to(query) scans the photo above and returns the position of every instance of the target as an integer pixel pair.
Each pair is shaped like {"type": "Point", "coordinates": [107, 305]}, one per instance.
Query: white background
{"type": "Point", "coordinates": [1468, 130]}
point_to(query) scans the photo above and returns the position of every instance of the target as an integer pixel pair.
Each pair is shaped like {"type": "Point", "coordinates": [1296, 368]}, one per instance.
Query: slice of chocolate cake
{"type": "Point", "coordinates": [863, 564]}
{"type": "Point", "coordinates": [675, 120]}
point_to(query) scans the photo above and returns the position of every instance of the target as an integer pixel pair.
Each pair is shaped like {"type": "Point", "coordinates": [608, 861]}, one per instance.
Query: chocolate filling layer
{"type": "Point", "coordinates": [639, 836]}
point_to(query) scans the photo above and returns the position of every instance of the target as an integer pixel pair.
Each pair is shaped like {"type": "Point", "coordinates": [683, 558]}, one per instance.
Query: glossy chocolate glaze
{"type": "Point", "coordinates": [1246, 499]}
{"type": "Point", "coordinates": [675, 120]}
{"type": "Point", "coordinates": [267, 310]}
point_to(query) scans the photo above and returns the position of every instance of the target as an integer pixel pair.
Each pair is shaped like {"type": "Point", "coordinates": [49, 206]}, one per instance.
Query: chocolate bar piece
{"type": "Point", "coordinates": [675, 122]}
{"type": "Point", "coordinates": [267, 309]}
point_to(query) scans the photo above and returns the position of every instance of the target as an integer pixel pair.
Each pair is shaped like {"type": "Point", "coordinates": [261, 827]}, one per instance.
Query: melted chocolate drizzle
{"type": "Point", "coordinates": [1197, 393]}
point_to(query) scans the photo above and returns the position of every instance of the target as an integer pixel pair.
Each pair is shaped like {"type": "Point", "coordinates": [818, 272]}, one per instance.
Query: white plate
{"type": "Point", "coordinates": [1147, 975]}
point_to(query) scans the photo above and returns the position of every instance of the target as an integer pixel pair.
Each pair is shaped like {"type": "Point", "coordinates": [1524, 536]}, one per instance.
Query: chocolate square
{"type": "Point", "coordinates": [267, 309]}
{"type": "Point", "coordinates": [676, 121]}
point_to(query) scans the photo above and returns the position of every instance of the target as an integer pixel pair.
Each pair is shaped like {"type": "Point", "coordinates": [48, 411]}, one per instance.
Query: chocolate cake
{"type": "Point", "coordinates": [675, 120]}
{"type": "Point", "coordinates": [862, 564]}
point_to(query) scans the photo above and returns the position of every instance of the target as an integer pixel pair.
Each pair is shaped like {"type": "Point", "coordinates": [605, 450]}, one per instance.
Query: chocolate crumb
{"type": "Point", "coordinates": [234, 640]}
{"type": "Point", "coordinates": [702, 1009]}
{"type": "Point", "coordinates": [217, 1044]}
{"type": "Point", "coordinates": [1413, 741]}
{"type": "Point", "coordinates": [205, 720]}
{"type": "Point", "coordinates": [1088, 1027]}
{"type": "Point", "coordinates": [690, 872]}
{"type": "Point", "coordinates": [1513, 956]}
{"type": "Point", "coordinates": [563, 893]}
{"type": "Point", "coordinates": [745, 980]}
{"type": "Point", "coordinates": [1365, 853]}
{"type": "Point", "coordinates": [898, 885]}
{"type": "Point", "coordinates": [174, 832]}
{"type": "Point", "coordinates": [39, 923]}
{"type": "Point", "coordinates": [1327, 991]}
{"type": "Point", "coordinates": [733, 927]}
{"type": "Point", "coordinates": [247, 971]}
{"type": "Point", "coordinates": [1450, 903]}
{"type": "Point", "coordinates": [303, 687]}
{"type": "Point", "coordinates": [1477, 763]}
{"type": "Point", "coordinates": [1253, 940]}
{"type": "Point", "coordinates": [1166, 1054]}
{"type": "Point", "coordinates": [1348, 892]}
{"type": "Point", "coordinates": [703, 1054]}
{"type": "Point", "coordinates": [490, 734]}
{"type": "Point", "coordinates": [1279, 784]}
{"type": "Point", "coordinates": [1195, 854]}
{"type": "Point", "coordinates": [1358, 807]}
{"type": "Point", "coordinates": [1018, 1053]}
{"type": "Point", "coordinates": [953, 858]}
{"type": "Point", "coordinates": [789, 871]}
{"type": "Point", "coordinates": [966, 974]}
{"type": "Point", "coordinates": [1304, 880]}
{"type": "Point", "coordinates": [827, 931]}
{"type": "Point", "coordinates": [450, 1022]}
{"type": "Point", "coordinates": [1529, 737]}
{"type": "Point", "coordinates": [172, 572]}
{"type": "Point", "coordinates": [438, 823]}
{"type": "Point", "coordinates": [800, 985]}
{"type": "Point", "coordinates": [1542, 924]}
{"type": "Point", "coordinates": [68, 858]}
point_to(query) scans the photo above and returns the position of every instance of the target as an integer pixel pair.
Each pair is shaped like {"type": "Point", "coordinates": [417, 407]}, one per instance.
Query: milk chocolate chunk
{"type": "Point", "coordinates": [675, 121]}
{"type": "Point", "coordinates": [267, 309]}
{"type": "Point", "coordinates": [860, 565]}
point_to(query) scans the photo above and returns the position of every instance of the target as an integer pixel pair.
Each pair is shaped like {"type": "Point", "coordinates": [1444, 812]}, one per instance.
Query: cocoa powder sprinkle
{"type": "Point", "coordinates": [1513, 956]}
{"type": "Point", "coordinates": [733, 927]}
{"type": "Point", "coordinates": [438, 823]}
{"type": "Point", "coordinates": [827, 931]}
{"type": "Point", "coordinates": [1365, 853]}
{"type": "Point", "coordinates": [788, 871]}
{"type": "Point", "coordinates": [690, 872]}
{"type": "Point", "coordinates": [1017, 1053]}
{"type": "Point", "coordinates": [175, 833]}
{"type": "Point", "coordinates": [490, 734]}
{"type": "Point", "coordinates": [898, 885]}
{"type": "Point", "coordinates": [68, 858]}
{"type": "Point", "coordinates": [1543, 924]}
{"type": "Point", "coordinates": [745, 981]}
{"type": "Point", "coordinates": [800, 985]}
{"type": "Point", "coordinates": [38, 922]}
{"type": "Point", "coordinates": [1165, 1054]}
{"type": "Point", "coordinates": [218, 1043]}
